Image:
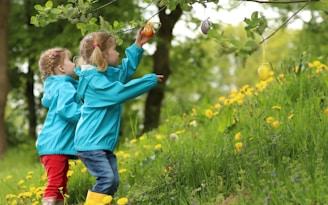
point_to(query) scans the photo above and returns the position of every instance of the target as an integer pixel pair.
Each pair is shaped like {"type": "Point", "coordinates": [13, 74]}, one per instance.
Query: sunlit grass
{"type": "Point", "coordinates": [265, 144]}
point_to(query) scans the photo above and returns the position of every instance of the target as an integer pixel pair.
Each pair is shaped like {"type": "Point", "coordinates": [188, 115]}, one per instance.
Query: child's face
{"type": "Point", "coordinates": [68, 66]}
{"type": "Point", "coordinates": [112, 56]}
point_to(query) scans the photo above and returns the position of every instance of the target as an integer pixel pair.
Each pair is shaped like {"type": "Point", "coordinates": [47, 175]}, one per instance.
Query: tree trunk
{"type": "Point", "coordinates": [4, 76]}
{"type": "Point", "coordinates": [32, 118]}
{"type": "Point", "coordinates": [29, 86]}
{"type": "Point", "coordinates": [161, 66]}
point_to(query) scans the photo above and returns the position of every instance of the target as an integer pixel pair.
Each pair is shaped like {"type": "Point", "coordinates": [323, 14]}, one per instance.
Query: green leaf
{"type": "Point", "coordinates": [56, 11]}
{"type": "Point", "coordinates": [38, 7]}
{"type": "Point", "coordinates": [49, 4]}
{"type": "Point", "coordinates": [116, 24]}
{"type": "Point", "coordinates": [34, 21]}
{"type": "Point", "coordinates": [254, 15]}
{"type": "Point", "coordinates": [119, 42]}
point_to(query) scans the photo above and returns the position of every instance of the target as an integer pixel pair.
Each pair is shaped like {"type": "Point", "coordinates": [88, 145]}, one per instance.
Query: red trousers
{"type": "Point", "coordinates": [57, 168]}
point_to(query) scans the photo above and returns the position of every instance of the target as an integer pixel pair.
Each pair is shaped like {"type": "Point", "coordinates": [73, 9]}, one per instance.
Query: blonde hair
{"type": "Point", "coordinates": [50, 59]}
{"type": "Point", "coordinates": [92, 49]}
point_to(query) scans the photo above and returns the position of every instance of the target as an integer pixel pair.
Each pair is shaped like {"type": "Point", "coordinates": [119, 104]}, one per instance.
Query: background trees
{"type": "Point", "coordinates": [4, 27]}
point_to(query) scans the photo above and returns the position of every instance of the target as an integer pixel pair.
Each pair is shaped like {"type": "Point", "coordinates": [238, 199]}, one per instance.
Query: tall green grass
{"type": "Point", "coordinates": [265, 144]}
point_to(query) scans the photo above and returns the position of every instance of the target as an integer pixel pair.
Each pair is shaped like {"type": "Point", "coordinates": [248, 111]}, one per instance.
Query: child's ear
{"type": "Point", "coordinates": [60, 68]}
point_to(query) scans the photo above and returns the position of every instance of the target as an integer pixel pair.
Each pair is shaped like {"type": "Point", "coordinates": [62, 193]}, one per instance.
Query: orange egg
{"type": "Point", "coordinates": [148, 30]}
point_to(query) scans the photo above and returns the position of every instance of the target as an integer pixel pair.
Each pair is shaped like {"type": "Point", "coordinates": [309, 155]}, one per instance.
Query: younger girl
{"type": "Point", "coordinates": [103, 86]}
{"type": "Point", "coordinates": [55, 143]}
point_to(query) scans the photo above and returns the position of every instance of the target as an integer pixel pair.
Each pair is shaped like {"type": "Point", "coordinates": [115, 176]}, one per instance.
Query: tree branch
{"type": "Point", "coordinates": [103, 5]}
{"type": "Point", "coordinates": [287, 20]}
{"type": "Point", "coordinates": [281, 2]}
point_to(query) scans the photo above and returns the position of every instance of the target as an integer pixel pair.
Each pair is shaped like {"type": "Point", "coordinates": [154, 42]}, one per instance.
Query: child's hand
{"type": "Point", "coordinates": [141, 38]}
{"type": "Point", "coordinates": [160, 78]}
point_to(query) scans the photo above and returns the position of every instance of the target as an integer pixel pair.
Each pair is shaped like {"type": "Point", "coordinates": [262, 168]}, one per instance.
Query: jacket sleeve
{"type": "Point", "coordinates": [117, 92]}
{"type": "Point", "coordinates": [67, 107]}
{"type": "Point", "coordinates": [130, 63]}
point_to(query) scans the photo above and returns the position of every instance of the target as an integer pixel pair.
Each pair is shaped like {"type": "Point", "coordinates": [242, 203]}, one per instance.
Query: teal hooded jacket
{"type": "Point", "coordinates": [57, 133]}
{"type": "Point", "coordinates": [103, 94]}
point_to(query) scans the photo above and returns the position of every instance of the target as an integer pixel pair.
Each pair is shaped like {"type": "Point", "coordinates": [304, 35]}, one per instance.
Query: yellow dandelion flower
{"type": "Point", "coordinates": [275, 124]}
{"type": "Point", "coordinates": [9, 177]}
{"type": "Point", "coordinates": [228, 102]}
{"type": "Point", "coordinates": [238, 136]}
{"type": "Point", "coordinates": [20, 182]}
{"type": "Point", "coordinates": [30, 172]}
{"type": "Point", "coordinates": [193, 112]}
{"type": "Point", "coordinates": [158, 147]}
{"type": "Point", "coordinates": [107, 199]}
{"type": "Point", "coordinates": [180, 131]}
{"type": "Point", "coordinates": [133, 141]}
{"type": "Point", "coordinates": [14, 202]}
{"type": "Point", "coordinates": [291, 116]}
{"type": "Point", "coordinates": [120, 171]}
{"type": "Point", "coordinates": [71, 163]}
{"type": "Point", "coordinates": [126, 156]}
{"type": "Point", "coordinates": [222, 99]}
{"type": "Point", "coordinates": [209, 113]}
{"type": "Point", "coordinates": [33, 189]}
{"type": "Point", "coordinates": [84, 170]}
{"type": "Point", "coordinates": [233, 92]}
{"type": "Point", "coordinates": [244, 88]}
{"type": "Point", "coordinates": [70, 173]}
{"type": "Point", "coordinates": [28, 177]}
{"type": "Point", "coordinates": [147, 147]}
{"type": "Point", "coordinates": [143, 137]}
{"type": "Point", "coordinates": [10, 196]}
{"type": "Point", "coordinates": [240, 102]}
{"type": "Point", "coordinates": [160, 137]}
{"type": "Point", "coordinates": [276, 107]}
{"type": "Point", "coordinates": [122, 201]}
{"type": "Point", "coordinates": [326, 111]}
{"type": "Point", "coordinates": [217, 106]}
{"type": "Point", "coordinates": [316, 63]}
{"type": "Point", "coordinates": [269, 120]}
{"type": "Point", "coordinates": [238, 146]}
{"type": "Point", "coordinates": [119, 154]}
{"type": "Point", "coordinates": [136, 154]}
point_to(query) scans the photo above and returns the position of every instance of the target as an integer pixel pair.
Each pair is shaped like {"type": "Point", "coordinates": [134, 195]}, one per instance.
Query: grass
{"type": "Point", "coordinates": [265, 144]}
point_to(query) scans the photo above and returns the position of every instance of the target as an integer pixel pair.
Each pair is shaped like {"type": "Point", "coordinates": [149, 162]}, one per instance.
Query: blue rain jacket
{"type": "Point", "coordinates": [103, 94]}
{"type": "Point", "coordinates": [57, 133]}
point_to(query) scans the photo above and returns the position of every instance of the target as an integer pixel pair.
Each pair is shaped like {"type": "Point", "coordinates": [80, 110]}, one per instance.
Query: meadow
{"type": "Point", "coordinates": [261, 144]}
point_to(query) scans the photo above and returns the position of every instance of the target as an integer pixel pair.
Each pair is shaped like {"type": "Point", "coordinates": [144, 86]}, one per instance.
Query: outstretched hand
{"type": "Point", "coordinates": [160, 78]}
{"type": "Point", "coordinates": [141, 38]}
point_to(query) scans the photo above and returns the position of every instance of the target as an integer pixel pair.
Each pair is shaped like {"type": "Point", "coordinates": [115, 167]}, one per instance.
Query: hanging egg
{"type": "Point", "coordinates": [264, 71]}
{"type": "Point", "coordinates": [205, 26]}
{"type": "Point", "coordinates": [148, 30]}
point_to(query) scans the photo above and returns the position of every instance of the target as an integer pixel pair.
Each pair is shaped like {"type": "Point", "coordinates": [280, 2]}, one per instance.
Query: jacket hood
{"type": "Point", "coordinates": [85, 74]}
{"type": "Point", "coordinates": [51, 86]}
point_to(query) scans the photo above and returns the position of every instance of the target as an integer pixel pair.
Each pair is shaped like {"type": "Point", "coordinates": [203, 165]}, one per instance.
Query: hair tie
{"type": "Point", "coordinates": [95, 45]}
{"type": "Point", "coordinates": [54, 53]}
